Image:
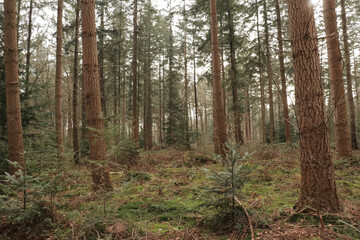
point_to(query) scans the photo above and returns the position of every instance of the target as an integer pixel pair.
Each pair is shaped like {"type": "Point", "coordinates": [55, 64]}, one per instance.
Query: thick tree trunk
{"type": "Point", "coordinates": [343, 143]}
{"type": "Point", "coordinates": [218, 103]}
{"type": "Point", "coordinates": [13, 112]}
{"type": "Point", "coordinates": [58, 88]}
{"type": "Point", "coordinates": [135, 110]}
{"type": "Point", "coordinates": [282, 74]}
{"type": "Point", "coordinates": [269, 75]}
{"type": "Point", "coordinates": [318, 188]}
{"type": "Point", "coordinates": [234, 84]}
{"type": "Point", "coordinates": [28, 55]}
{"type": "Point", "coordinates": [100, 175]}
{"type": "Point", "coordinates": [350, 97]}
{"type": "Point", "coordinates": [75, 88]}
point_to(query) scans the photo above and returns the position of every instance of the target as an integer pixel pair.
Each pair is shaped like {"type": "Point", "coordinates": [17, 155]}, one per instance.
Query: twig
{"type": "Point", "coordinates": [321, 220]}
{"type": "Point", "coordinates": [350, 225]}
{"type": "Point", "coordinates": [248, 217]}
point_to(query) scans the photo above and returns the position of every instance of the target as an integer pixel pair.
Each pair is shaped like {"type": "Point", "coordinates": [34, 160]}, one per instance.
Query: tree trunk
{"type": "Point", "coordinates": [234, 84]}
{"type": "Point", "coordinates": [13, 112]}
{"type": "Point", "coordinates": [28, 55]}
{"type": "Point", "coordinates": [186, 98]}
{"type": "Point", "coordinates": [350, 97]}
{"type": "Point", "coordinates": [135, 110]}
{"type": "Point", "coordinates": [282, 74]}
{"type": "Point", "coordinates": [75, 89]}
{"type": "Point", "coordinates": [101, 59]}
{"type": "Point", "coordinates": [100, 175]}
{"type": "Point", "coordinates": [343, 143]}
{"type": "Point", "coordinates": [269, 75]}
{"type": "Point", "coordinates": [196, 100]}
{"type": "Point", "coordinates": [58, 89]}
{"type": "Point", "coordinates": [218, 103]}
{"type": "Point", "coordinates": [261, 80]}
{"type": "Point", "coordinates": [318, 188]}
{"type": "Point", "coordinates": [147, 100]}
{"type": "Point", "coordinates": [247, 115]}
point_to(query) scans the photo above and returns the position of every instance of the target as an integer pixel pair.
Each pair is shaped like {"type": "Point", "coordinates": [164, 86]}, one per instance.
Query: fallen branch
{"type": "Point", "coordinates": [248, 217]}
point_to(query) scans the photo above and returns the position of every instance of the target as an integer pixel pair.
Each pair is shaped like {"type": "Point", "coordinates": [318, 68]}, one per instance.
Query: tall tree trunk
{"type": "Point", "coordinates": [343, 143]}
{"type": "Point", "coordinates": [247, 115]}
{"type": "Point", "coordinates": [222, 64]}
{"type": "Point", "coordinates": [282, 74]}
{"type": "Point", "coordinates": [186, 98]}
{"type": "Point", "coordinates": [18, 20]}
{"type": "Point", "coordinates": [269, 75]}
{"type": "Point", "coordinates": [356, 84]}
{"type": "Point", "coordinates": [234, 84]}
{"type": "Point", "coordinates": [13, 112]}
{"type": "Point", "coordinates": [218, 103]}
{"type": "Point", "coordinates": [28, 55]}
{"type": "Point", "coordinates": [101, 59]}
{"type": "Point", "coordinates": [160, 107]}
{"type": "Point", "coordinates": [147, 98]}
{"type": "Point", "coordinates": [58, 87]}
{"type": "Point", "coordinates": [135, 110]}
{"type": "Point", "coordinates": [354, 144]}
{"type": "Point", "coordinates": [100, 175]}
{"type": "Point", "coordinates": [262, 91]}
{"type": "Point", "coordinates": [75, 88]}
{"type": "Point", "coordinates": [196, 98]}
{"type": "Point", "coordinates": [318, 188]}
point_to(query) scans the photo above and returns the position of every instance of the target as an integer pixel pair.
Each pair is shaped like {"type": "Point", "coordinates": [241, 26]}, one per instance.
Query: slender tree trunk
{"type": "Point", "coordinates": [58, 81]}
{"type": "Point", "coordinates": [354, 144]}
{"type": "Point", "coordinates": [100, 175]}
{"type": "Point", "coordinates": [318, 188]}
{"type": "Point", "coordinates": [13, 112]}
{"type": "Point", "coordinates": [75, 88]}
{"type": "Point", "coordinates": [28, 55]}
{"type": "Point", "coordinates": [218, 103]}
{"type": "Point", "coordinates": [196, 99]}
{"type": "Point", "coordinates": [160, 107]}
{"type": "Point", "coordinates": [222, 64]}
{"type": "Point", "coordinates": [135, 110]}
{"type": "Point", "coordinates": [269, 75]}
{"type": "Point", "coordinates": [101, 59]}
{"type": "Point", "coordinates": [234, 84]}
{"type": "Point", "coordinates": [18, 20]}
{"type": "Point", "coordinates": [262, 91]}
{"type": "Point", "coordinates": [186, 97]}
{"type": "Point", "coordinates": [356, 84]}
{"type": "Point", "coordinates": [282, 74]}
{"type": "Point", "coordinates": [343, 142]}
{"type": "Point", "coordinates": [247, 115]}
{"type": "Point", "coordinates": [147, 100]}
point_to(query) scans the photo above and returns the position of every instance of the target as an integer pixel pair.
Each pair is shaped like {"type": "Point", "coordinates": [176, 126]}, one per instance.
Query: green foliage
{"type": "Point", "coordinates": [225, 186]}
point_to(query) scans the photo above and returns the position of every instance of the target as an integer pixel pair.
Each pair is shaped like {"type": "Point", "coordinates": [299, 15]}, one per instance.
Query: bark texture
{"type": "Point", "coordinates": [58, 87]}
{"type": "Point", "coordinates": [318, 187]}
{"type": "Point", "coordinates": [100, 174]}
{"type": "Point", "coordinates": [342, 132]}
{"type": "Point", "coordinates": [282, 74]}
{"type": "Point", "coordinates": [28, 55]}
{"type": "Point", "coordinates": [220, 136]}
{"type": "Point", "coordinates": [350, 97]}
{"type": "Point", "coordinates": [13, 113]}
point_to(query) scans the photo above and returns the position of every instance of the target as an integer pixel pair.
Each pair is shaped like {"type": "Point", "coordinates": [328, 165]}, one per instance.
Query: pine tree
{"type": "Point", "coordinates": [100, 174]}
{"type": "Point", "coordinates": [318, 188]}
{"type": "Point", "coordinates": [13, 112]}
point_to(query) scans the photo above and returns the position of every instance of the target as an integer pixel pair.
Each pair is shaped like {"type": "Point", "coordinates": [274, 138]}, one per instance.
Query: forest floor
{"type": "Point", "coordinates": [161, 197]}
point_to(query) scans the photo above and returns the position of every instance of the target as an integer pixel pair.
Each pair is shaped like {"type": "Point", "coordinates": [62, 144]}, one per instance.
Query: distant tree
{"type": "Point", "coordinates": [318, 188]}
{"type": "Point", "coordinates": [75, 88]}
{"type": "Point", "coordinates": [13, 113]}
{"type": "Point", "coordinates": [100, 174]}
{"type": "Point", "coordinates": [343, 143]}
{"type": "Point", "coordinates": [349, 83]}
{"type": "Point", "coordinates": [282, 74]}
{"type": "Point", "coordinates": [135, 109]}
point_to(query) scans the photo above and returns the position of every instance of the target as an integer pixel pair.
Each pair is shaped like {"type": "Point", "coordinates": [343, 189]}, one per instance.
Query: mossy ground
{"type": "Point", "coordinates": [159, 198]}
